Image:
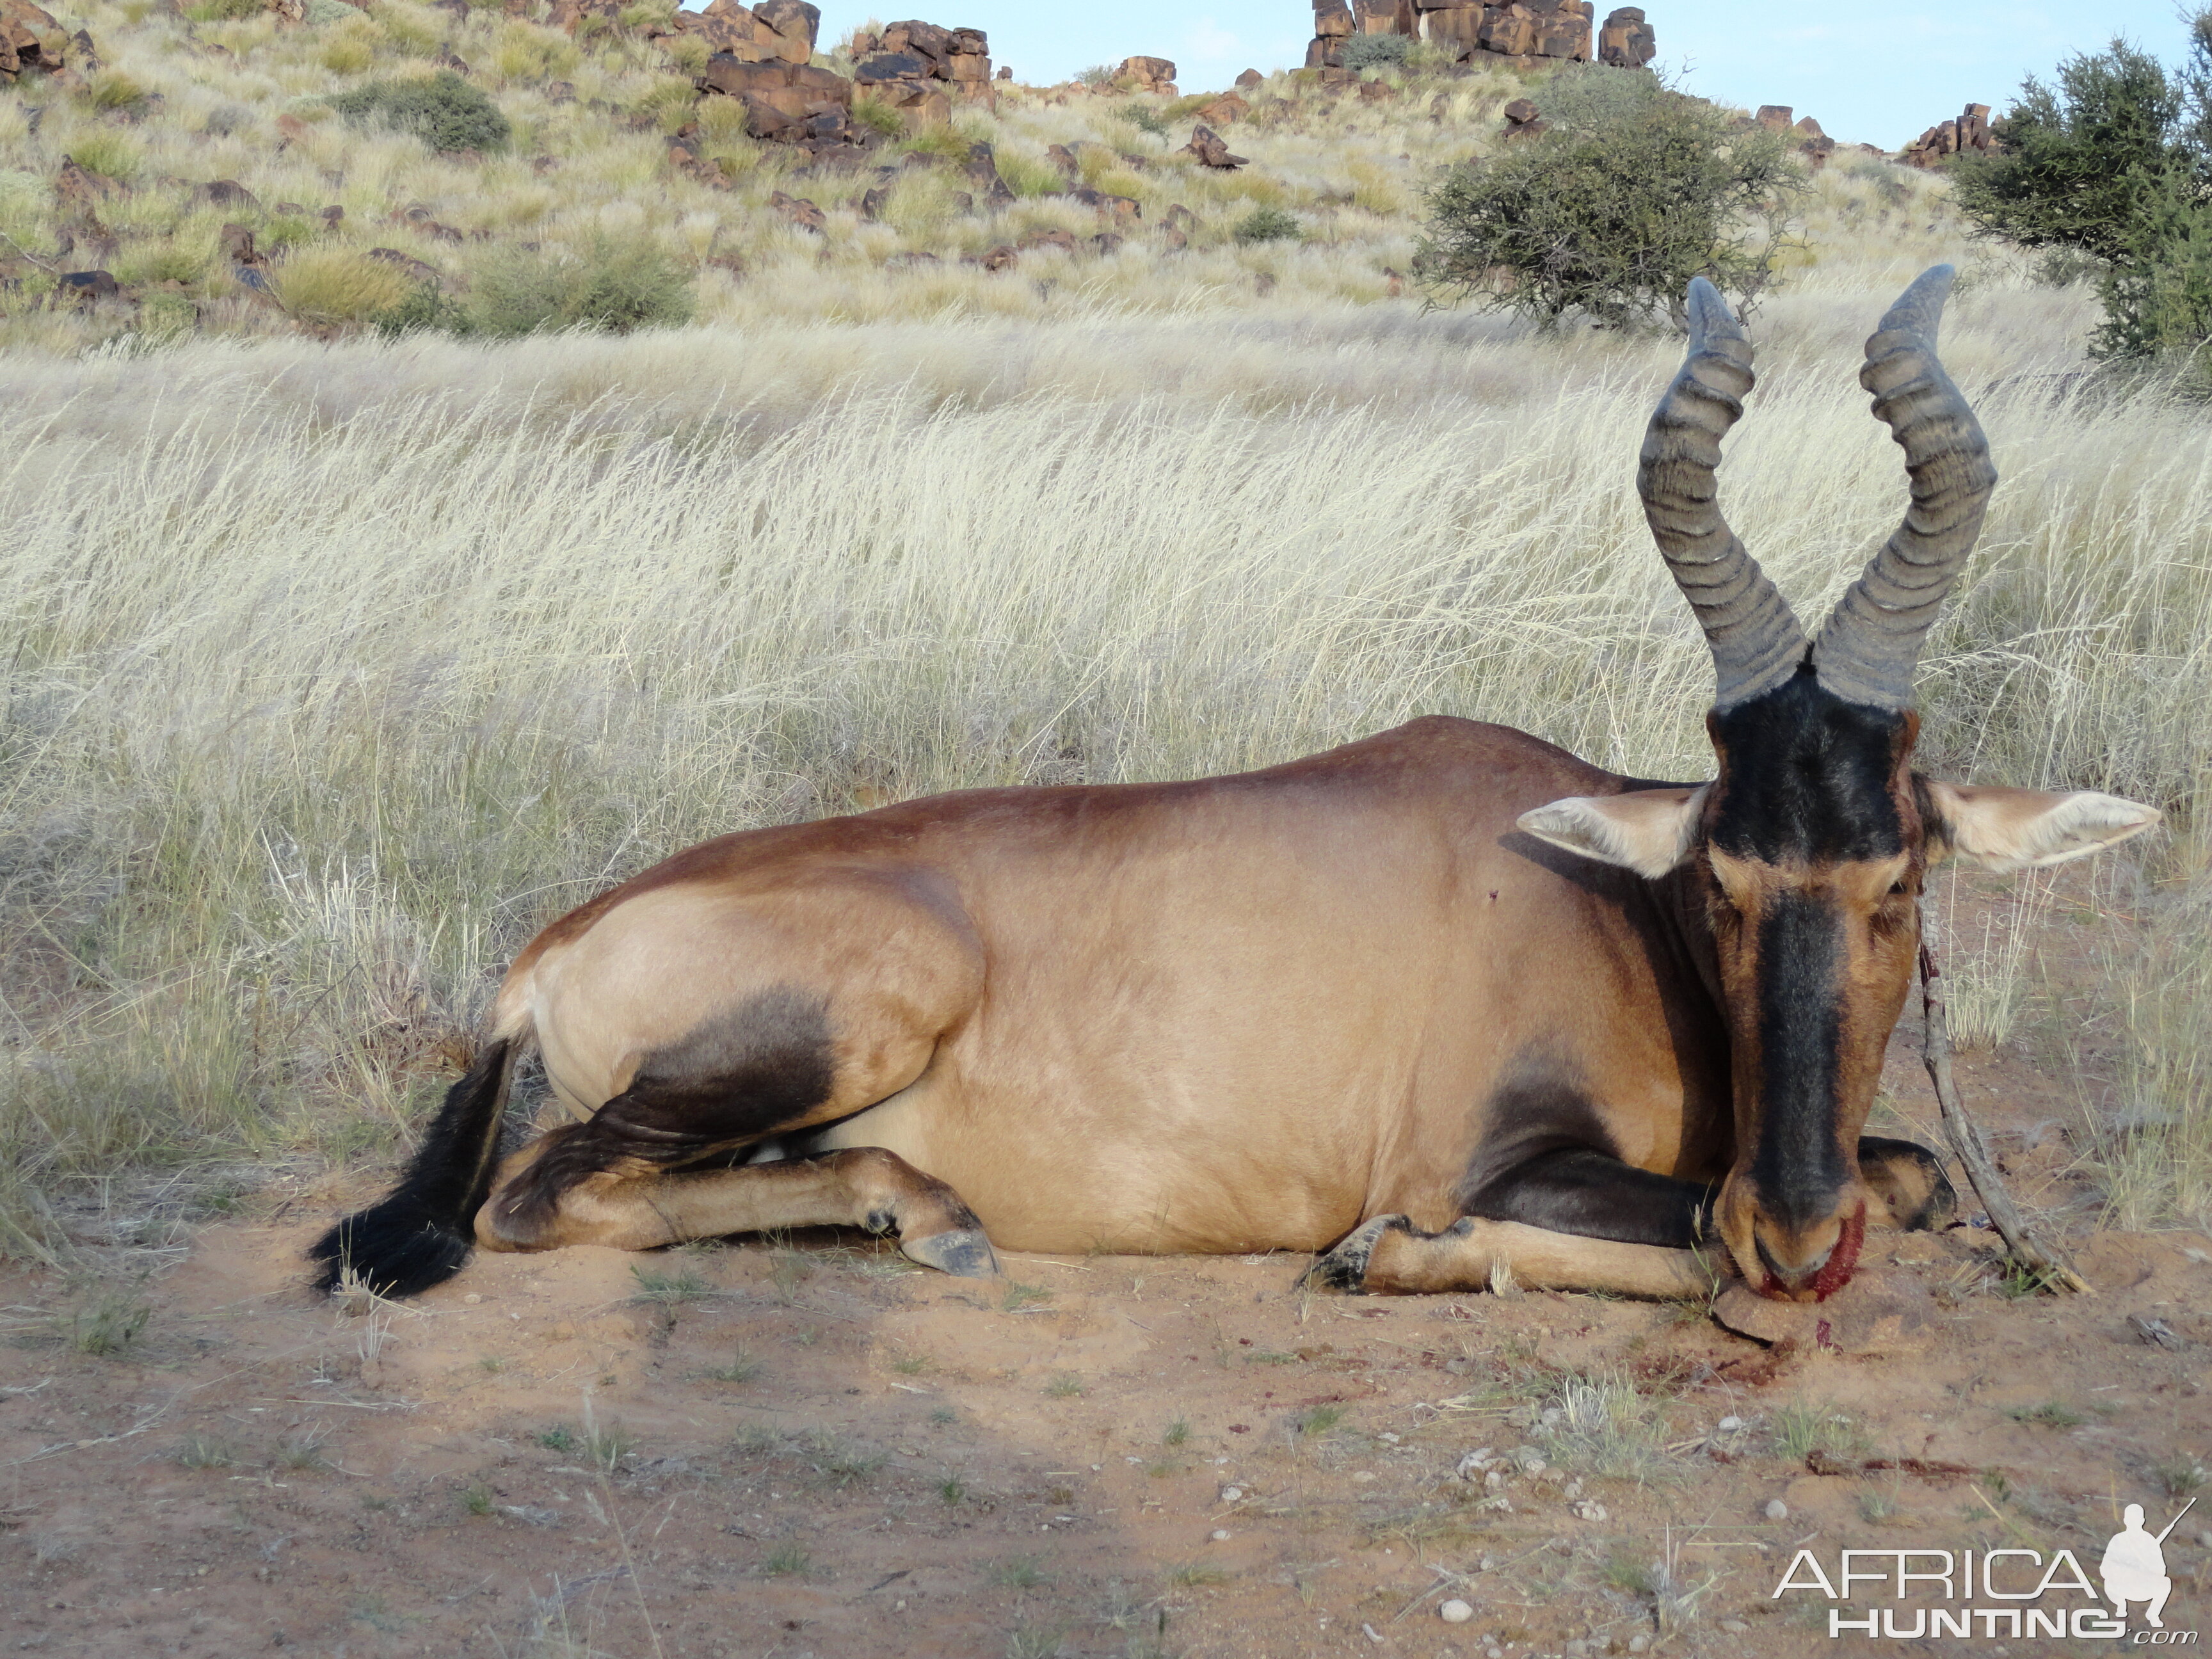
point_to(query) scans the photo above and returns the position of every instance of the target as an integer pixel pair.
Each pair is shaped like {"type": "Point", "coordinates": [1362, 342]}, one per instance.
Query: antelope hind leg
{"type": "Point", "coordinates": [1390, 1255]}
{"type": "Point", "coordinates": [638, 1209]}
{"type": "Point", "coordinates": [1908, 1189]}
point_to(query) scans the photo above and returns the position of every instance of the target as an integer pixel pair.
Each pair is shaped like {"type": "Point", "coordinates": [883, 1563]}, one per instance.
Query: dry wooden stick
{"type": "Point", "coordinates": [2028, 1246]}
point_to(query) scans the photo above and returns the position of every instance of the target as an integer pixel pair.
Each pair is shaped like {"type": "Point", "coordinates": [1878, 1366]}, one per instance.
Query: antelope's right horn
{"type": "Point", "coordinates": [1756, 642]}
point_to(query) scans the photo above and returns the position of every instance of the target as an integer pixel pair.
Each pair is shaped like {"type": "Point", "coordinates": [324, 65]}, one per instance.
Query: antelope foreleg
{"type": "Point", "coordinates": [863, 1187]}
{"type": "Point", "coordinates": [1388, 1255]}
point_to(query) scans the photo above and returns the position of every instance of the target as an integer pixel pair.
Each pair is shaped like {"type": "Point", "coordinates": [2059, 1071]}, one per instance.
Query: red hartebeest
{"type": "Point", "coordinates": [1447, 999]}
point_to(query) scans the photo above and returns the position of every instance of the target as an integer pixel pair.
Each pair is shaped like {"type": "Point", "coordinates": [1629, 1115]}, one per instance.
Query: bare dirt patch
{"type": "Point", "coordinates": [797, 1451]}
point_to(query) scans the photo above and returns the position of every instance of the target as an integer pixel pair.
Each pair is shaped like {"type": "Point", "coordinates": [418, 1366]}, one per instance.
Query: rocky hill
{"type": "Point", "coordinates": [258, 166]}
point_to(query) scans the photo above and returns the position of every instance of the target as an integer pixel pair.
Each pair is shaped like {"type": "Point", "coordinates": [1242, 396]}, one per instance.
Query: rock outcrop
{"type": "Point", "coordinates": [1626, 40]}
{"type": "Point", "coordinates": [774, 32]}
{"type": "Point", "coordinates": [1154, 75]}
{"type": "Point", "coordinates": [1206, 144]}
{"type": "Point", "coordinates": [1526, 32]}
{"type": "Point", "coordinates": [762, 56]}
{"type": "Point", "coordinates": [1522, 120]}
{"type": "Point", "coordinates": [34, 42]}
{"type": "Point", "coordinates": [1968, 134]}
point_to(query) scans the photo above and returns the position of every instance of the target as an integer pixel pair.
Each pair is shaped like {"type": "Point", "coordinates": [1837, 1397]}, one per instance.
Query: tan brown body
{"type": "Point", "coordinates": [1240, 1014]}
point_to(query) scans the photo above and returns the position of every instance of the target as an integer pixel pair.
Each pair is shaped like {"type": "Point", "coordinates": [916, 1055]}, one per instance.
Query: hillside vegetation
{"type": "Point", "coordinates": [338, 662]}
{"type": "Point", "coordinates": [584, 175]}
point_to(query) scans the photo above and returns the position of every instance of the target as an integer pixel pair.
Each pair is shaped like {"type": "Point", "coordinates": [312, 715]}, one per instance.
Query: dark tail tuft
{"type": "Point", "coordinates": [421, 1233]}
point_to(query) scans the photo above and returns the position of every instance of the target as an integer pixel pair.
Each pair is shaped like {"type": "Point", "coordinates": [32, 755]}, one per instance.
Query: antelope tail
{"type": "Point", "coordinates": [422, 1232]}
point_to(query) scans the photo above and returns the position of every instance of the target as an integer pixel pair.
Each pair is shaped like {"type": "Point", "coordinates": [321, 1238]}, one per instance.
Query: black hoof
{"type": "Point", "coordinates": [964, 1253]}
{"type": "Point", "coordinates": [1344, 1266]}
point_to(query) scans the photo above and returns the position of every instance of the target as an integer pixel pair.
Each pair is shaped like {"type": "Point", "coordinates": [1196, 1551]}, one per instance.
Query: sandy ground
{"type": "Point", "coordinates": [806, 1448]}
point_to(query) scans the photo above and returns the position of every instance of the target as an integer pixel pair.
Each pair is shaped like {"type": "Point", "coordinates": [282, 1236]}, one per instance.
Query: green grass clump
{"type": "Point", "coordinates": [109, 154]}
{"type": "Point", "coordinates": [787, 1561]}
{"type": "Point", "coordinates": [1805, 1426]}
{"type": "Point", "coordinates": [203, 1451]}
{"type": "Point", "coordinates": [1019, 1572]}
{"type": "Point", "coordinates": [341, 285]}
{"type": "Point", "coordinates": [445, 112]}
{"type": "Point", "coordinates": [108, 1321]}
{"type": "Point", "coordinates": [672, 1286]}
{"type": "Point", "coordinates": [742, 1368]}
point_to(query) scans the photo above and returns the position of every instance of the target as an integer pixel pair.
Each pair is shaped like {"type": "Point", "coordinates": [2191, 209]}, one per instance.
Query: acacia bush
{"type": "Point", "coordinates": [1636, 189]}
{"type": "Point", "coordinates": [2108, 172]}
{"type": "Point", "coordinates": [445, 112]}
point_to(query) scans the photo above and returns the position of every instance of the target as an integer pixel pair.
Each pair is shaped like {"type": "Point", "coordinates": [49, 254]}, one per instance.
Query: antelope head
{"type": "Point", "coordinates": [1807, 852]}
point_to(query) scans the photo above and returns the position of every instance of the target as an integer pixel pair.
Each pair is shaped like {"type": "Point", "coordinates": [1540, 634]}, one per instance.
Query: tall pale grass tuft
{"type": "Point", "coordinates": [340, 285]}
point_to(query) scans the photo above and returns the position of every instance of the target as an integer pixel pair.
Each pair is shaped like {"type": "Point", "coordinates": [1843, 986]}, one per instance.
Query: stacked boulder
{"type": "Point", "coordinates": [34, 42]}
{"type": "Point", "coordinates": [1527, 32]}
{"type": "Point", "coordinates": [1153, 75]}
{"type": "Point", "coordinates": [1969, 135]}
{"type": "Point", "coordinates": [919, 69]}
{"type": "Point", "coordinates": [760, 58]}
{"type": "Point", "coordinates": [1806, 134]}
{"type": "Point", "coordinates": [1626, 40]}
{"type": "Point", "coordinates": [774, 32]}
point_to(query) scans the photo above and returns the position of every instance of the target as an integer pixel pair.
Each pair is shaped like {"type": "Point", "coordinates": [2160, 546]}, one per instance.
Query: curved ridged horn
{"type": "Point", "coordinates": [1867, 651]}
{"type": "Point", "coordinates": [1755, 639]}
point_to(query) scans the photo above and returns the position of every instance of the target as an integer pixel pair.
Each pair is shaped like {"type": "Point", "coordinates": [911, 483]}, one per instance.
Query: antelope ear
{"type": "Point", "coordinates": [1647, 830]}
{"type": "Point", "coordinates": [2009, 829]}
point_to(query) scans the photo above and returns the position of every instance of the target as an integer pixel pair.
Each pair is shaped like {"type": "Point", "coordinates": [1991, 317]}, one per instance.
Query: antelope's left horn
{"type": "Point", "coordinates": [1870, 647]}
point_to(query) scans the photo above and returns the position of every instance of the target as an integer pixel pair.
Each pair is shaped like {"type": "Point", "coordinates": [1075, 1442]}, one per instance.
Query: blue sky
{"type": "Point", "coordinates": [1873, 72]}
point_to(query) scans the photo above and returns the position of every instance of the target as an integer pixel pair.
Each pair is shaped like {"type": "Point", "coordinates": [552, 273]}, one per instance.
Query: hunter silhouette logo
{"type": "Point", "coordinates": [2010, 1592]}
{"type": "Point", "coordinates": [2134, 1567]}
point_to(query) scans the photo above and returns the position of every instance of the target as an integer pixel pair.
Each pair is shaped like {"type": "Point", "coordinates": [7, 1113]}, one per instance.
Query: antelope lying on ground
{"type": "Point", "coordinates": [1442, 1002]}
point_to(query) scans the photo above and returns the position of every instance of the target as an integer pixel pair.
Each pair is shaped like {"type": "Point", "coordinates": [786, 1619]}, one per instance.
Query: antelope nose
{"type": "Point", "coordinates": [1790, 1275]}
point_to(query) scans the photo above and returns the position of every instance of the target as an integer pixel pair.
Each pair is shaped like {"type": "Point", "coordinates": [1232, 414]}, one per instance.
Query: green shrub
{"type": "Point", "coordinates": [606, 286]}
{"type": "Point", "coordinates": [2081, 161]}
{"type": "Point", "coordinates": [1366, 51]}
{"type": "Point", "coordinates": [323, 12]}
{"type": "Point", "coordinates": [445, 112]}
{"type": "Point", "coordinates": [1144, 118]}
{"type": "Point", "coordinates": [1615, 209]}
{"type": "Point", "coordinates": [225, 11]}
{"type": "Point", "coordinates": [2106, 173]}
{"type": "Point", "coordinates": [425, 308]}
{"type": "Point", "coordinates": [1584, 97]}
{"type": "Point", "coordinates": [1268, 224]}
